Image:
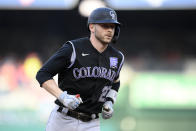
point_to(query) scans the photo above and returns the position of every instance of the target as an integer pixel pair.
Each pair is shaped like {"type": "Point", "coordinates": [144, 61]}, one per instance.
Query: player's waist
{"type": "Point", "coordinates": [84, 107]}
{"type": "Point", "coordinates": [85, 117]}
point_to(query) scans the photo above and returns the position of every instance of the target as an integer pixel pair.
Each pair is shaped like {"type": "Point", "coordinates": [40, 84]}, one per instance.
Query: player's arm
{"type": "Point", "coordinates": [58, 62]}
{"type": "Point", "coordinates": [112, 94]}
{"type": "Point", "coordinates": [107, 109]}
{"type": "Point", "coordinates": [52, 88]}
{"type": "Point", "coordinates": [70, 101]}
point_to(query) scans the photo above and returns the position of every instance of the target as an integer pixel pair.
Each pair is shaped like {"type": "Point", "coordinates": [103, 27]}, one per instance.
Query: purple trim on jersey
{"type": "Point", "coordinates": [73, 56]}
{"type": "Point", "coordinates": [120, 63]}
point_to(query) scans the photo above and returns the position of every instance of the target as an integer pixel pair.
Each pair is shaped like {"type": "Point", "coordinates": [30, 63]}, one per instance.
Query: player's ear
{"type": "Point", "coordinates": [92, 28]}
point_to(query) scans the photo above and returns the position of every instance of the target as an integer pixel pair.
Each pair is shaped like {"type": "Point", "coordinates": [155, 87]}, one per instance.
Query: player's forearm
{"type": "Point", "coordinates": [52, 88]}
{"type": "Point", "coordinates": [112, 94]}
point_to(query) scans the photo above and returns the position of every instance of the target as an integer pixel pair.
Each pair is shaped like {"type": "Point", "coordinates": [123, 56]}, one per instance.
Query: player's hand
{"type": "Point", "coordinates": [70, 101]}
{"type": "Point", "coordinates": [107, 110]}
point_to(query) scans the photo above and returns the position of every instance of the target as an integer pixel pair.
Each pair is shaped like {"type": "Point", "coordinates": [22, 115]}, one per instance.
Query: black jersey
{"type": "Point", "coordinates": [83, 70]}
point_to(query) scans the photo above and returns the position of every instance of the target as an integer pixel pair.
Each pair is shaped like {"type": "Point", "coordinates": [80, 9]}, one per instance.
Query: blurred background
{"type": "Point", "coordinates": [158, 79]}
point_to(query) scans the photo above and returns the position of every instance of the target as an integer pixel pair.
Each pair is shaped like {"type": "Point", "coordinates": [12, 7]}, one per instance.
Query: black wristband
{"type": "Point", "coordinates": [110, 99]}
{"type": "Point", "coordinates": [115, 86]}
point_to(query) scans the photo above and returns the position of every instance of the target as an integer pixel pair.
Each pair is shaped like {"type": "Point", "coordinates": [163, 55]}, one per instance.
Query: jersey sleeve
{"type": "Point", "coordinates": [116, 83]}
{"type": "Point", "coordinates": [112, 94]}
{"type": "Point", "coordinates": [120, 67]}
{"type": "Point", "coordinates": [56, 63]}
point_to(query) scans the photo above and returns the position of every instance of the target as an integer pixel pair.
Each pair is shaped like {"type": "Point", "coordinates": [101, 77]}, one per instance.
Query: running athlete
{"type": "Point", "coordinates": [88, 76]}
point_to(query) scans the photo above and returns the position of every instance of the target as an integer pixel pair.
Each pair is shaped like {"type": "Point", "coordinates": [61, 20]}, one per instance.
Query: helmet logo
{"type": "Point", "coordinates": [112, 14]}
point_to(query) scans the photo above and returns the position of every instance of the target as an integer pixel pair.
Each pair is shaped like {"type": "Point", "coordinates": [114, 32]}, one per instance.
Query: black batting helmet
{"type": "Point", "coordinates": [105, 15]}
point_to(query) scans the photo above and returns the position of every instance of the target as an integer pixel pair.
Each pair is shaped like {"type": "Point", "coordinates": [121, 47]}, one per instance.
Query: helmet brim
{"type": "Point", "coordinates": [104, 21]}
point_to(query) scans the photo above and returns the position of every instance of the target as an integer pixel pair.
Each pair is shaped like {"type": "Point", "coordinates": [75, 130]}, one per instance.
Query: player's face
{"type": "Point", "coordinates": [104, 32]}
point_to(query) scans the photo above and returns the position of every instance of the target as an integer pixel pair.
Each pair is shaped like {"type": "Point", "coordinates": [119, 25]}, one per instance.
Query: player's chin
{"type": "Point", "coordinates": [108, 40]}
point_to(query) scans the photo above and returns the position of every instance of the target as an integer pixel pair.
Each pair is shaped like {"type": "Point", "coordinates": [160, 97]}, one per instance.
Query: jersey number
{"type": "Point", "coordinates": [105, 90]}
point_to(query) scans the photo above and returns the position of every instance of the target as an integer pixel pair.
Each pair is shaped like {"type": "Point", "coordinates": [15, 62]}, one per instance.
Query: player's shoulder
{"type": "Point", "coordinates": [77, 43]}
{"type": "Point", "coordinates": [116, 52]}
{"type": "Point", "coordinates": [79, 40]}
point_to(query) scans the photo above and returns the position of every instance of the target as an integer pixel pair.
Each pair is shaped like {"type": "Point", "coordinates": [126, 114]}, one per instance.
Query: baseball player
{"type": "Point", "coordinates": [88, 76]}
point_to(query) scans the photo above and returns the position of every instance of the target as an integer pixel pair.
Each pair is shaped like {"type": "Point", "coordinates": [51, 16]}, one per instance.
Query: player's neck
{"type": "Point", "coordinates": [99, 46]}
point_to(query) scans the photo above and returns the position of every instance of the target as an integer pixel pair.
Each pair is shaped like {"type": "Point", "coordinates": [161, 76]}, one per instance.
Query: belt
{"type": "Point", "coordinates": [78, 115]}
